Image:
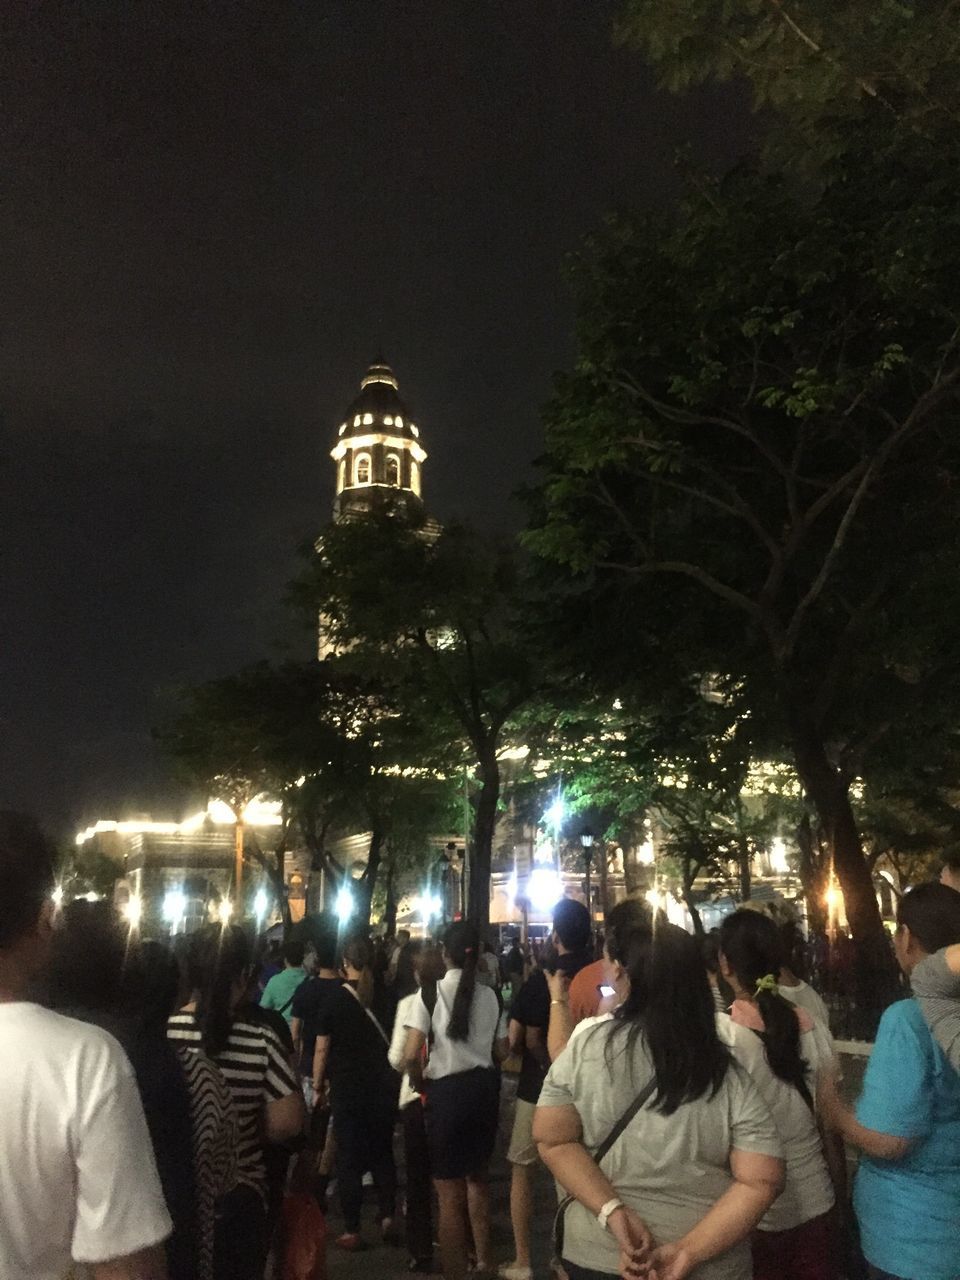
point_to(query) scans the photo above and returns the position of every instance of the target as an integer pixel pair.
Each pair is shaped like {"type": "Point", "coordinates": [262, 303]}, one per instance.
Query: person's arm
{"type": "Point", "coordinates": [413, 1056]}
{"type": "Point", "coordinates": [146, 1264]}
{"type": "Point", "coordinates": [320, 1054]}
{"type": "Point", "coordinates": [757, 1181]}
{"type": "Point", "coordinates": [398, 1044]}
{"type": "Point", "coordinates": [560, 1026]}
{"type": "Point", "coordinates": [296, 1035]}
{"type": "Point", "coordinates": [840, 1119]}
{"type": "Point", "coordinates": [936, 983]}
{"type": "Point", "coordinates": [558, 1133]}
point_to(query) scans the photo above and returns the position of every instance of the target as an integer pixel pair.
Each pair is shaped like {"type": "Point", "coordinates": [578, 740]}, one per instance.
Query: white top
{"type": "Point", "coordinates": [808, 1192]}
{"type": "Point", "coordinates": [450, 1057]}
{"type": "Point", "coordinates": [806, 998]}
{"type": "Point", "coordinates": [398, 1043]}
{"type": "Point", "coordinates": [77, 1175]}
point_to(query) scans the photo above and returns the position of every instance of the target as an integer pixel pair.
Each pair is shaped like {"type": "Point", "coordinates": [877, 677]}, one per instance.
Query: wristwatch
{"type": "Point", "coordinates": [610, 1207]}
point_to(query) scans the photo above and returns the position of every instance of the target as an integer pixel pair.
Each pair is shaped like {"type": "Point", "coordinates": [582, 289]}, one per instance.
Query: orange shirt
{"type": "Point", "coordinates": [583, 994]}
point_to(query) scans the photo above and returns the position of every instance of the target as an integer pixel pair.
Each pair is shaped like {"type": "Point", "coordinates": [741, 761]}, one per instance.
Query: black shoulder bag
{"type": "Point", "coordinates": [598, 1155]}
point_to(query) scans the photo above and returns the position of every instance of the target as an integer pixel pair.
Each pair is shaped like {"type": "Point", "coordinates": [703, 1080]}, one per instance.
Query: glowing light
{"type": "Point", "coordinates": [388, 420]}
{"type": "Point", "coordinates": [833, 897]}
{"type": "Point", "coordinates": [220, 811]}
{"type": "Point", "coordinates": [174, 906]}
{"type": "Point", "coordinates": [544, 888]}
{"type": "Point", "coordinates": [653, 897]}
{"type": "Point", "coordinates": [398, 421]}
{"type": "Point", "coordinates": [260, 904]}
{"type": "Point", "coordinates": [91, 897]}
{"type": "Point", "coordinates": [57, 896]}
{"type": "Point", "coordinates": [260, 812]}
{"type": "Point", "coordinates": [645, 852]}
{"type": "Point", "coordinates": [555, 815]}
{"type": "Point", "coordinates": [415, 430]}
{"type": "Point", "coordinates": [344, 905]}
{"type": "Point", "coordinates": [133, 910]}
{"type": "Point", "coordinates": [778, 856]}
{"type": "Point", "coordinates": [342, 429]}
{"type": "Point", "coordinates": [430, 906]}
{"type": "Point", "coordinates": [356, 421]}
{"type": "Point", "coordinates": [512, 886]}
{"type": "Point", "coordinates": [225, 910]}
{"type": "Point", "coordinates": [368, 419]}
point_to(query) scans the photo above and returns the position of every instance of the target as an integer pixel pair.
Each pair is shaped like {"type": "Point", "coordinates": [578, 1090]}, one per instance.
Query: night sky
{"type": "Point", "coordinates": [212, 216]}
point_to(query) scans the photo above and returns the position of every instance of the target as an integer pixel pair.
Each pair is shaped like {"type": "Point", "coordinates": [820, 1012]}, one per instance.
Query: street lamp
{"type": "Point", "coordinates": [344, 905]}
{"type": "Point", "coordinates": [225, 911]}
{"type": "Point", "coordinates": [174, 908]}
{"type": "Point", "coordinates": [586, 841]}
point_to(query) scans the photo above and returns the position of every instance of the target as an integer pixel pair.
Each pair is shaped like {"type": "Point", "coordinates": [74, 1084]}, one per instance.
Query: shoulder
{"type": "Point", "coordinates": [903, 1016]}
{"type": "Point", "coordinates": [92, 1051]}
{"type": "Point", "coordinates": [585, 1025]}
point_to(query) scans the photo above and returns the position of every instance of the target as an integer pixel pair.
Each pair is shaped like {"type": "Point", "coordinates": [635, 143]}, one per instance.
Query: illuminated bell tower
{"type": "Point", "coordinates": [378, 452]}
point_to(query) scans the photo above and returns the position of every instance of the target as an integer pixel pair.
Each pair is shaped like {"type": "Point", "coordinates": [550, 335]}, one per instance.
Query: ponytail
{"type": "Point", "coordinates": [219, 956]}
{"type": "Point", "coordinates": [462, 943]}
{"type": "Point", "coordinates": [751, 945]}
{"type": "Point", "coordinates": [358, 954]}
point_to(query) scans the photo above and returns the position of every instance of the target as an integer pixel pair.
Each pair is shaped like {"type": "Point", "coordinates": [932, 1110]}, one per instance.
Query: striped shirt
{"type": "Point", "coordinates": [257, 1071]}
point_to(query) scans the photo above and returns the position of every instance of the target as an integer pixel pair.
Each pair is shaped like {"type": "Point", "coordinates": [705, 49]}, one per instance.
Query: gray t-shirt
{"type": "Point", "coordinates": [670, 1169]}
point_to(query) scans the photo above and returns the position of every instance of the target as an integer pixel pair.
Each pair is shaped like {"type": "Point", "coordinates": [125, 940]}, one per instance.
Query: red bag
{"type": "Point", "coordinates": [304, 1239]}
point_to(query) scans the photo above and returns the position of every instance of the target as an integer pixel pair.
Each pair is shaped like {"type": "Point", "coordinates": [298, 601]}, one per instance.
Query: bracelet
{"type": "Point", "coordinates": [553, 1002]}
{"type": "Point", "coordinates": [610, 1207]}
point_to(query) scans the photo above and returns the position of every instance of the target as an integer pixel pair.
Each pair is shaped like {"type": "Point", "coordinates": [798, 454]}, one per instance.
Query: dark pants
{"type": "Point", "coordinates": [419, 1205]}
{"type": "Point", "coordinates": [241, 1236]}
{"type": "Point", "coordinates": [585, 1273]}
{"type": "Point", "coordinates": [802, 1253]}
{"type": "Point", "coordinates": [365, 1142]}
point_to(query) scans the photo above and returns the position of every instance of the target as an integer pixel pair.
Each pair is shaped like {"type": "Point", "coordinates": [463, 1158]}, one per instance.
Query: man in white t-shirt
{"type": "Point", "coordinates": [77, 1176]}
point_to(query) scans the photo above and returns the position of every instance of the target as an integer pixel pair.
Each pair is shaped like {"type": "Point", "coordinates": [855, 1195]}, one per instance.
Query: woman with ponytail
{"type": "Point", "coordinates": [784, 1050]}
{"type": "Point", "coordinates": [460, 1030]}
{"type": "Point", "coordinates": [663, 1143]}
{"type": "Point", "coordinates": [351, 1053]}
{"type": "Point", "coordinates": [262, 1083]}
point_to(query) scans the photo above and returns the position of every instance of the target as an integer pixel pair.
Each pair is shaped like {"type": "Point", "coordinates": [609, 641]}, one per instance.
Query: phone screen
{"type": "Point", "coordinates": [606, 990]}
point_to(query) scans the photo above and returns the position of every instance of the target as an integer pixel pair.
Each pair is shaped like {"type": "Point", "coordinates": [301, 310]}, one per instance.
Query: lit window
{"type": "Point", "coordinates": [393, 470]}
{"type": "Point", "coordinates": [368, 419]}
{"type": "Point", "coordinates": [342, 429]}
{"type": "Point", "coordinates": [356, 421]}
{"type": "Point", "coordinates": [388, 420]}
{"type": "Point", "coordinates": [362, 469]}
{"type": "Point", "coordinates": [398, 422]}
{"type": "Point", "coordinates": [341, 476]}
{"type": "Point", "coordinates": [415, 430]}
{"type": "Point", "coordinates": [415, 478]}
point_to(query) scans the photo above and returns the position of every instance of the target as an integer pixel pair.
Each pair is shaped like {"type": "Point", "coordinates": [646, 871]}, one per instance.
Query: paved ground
{"type": "Point", "coordinates": [381, 1263]}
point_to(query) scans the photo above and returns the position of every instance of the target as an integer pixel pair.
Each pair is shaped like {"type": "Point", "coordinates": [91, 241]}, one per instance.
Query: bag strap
{"type": "Point", "coordinates": [625, 1119]}
{"type": "Point", "coordinates": [429, 998]}
{"type": "Point", "coordinates": [369, 1012]}
{"type": "Point", "coordinates": [291, 1000]}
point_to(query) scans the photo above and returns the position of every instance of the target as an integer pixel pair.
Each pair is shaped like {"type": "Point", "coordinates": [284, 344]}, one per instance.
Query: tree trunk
{"type": "Point", "coordinates": [481, 846]}
{"type": "Point", "coordinates": [365, 886]}
{"type": "Point", "coordinates": [280, 887]}
{"type": "Point", "coordinates": [875, 970]}
{"type": "Point", "coordinates": [687, 889]}
{"type": "Point", "coordinates": [812, 877]}
{"type": "Point", "coordinates": [390, 907]}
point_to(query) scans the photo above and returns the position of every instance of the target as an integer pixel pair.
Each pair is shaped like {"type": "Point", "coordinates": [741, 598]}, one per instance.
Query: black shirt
{"type": "Point", "coordinates": [532, 1009]}
{"type": "Point", "coordinates": [309, 1001]}
{"type": "Point", "coordinates": [357, 1067]}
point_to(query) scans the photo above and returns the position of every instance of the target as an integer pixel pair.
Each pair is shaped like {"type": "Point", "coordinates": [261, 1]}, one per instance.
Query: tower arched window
{"type": "Point", "coordinates": [393, 470]}
{"type": "Point", "coordinates": [361, 470]}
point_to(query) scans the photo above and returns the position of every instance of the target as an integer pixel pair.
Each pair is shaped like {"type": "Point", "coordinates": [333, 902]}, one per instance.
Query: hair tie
{"type": "Point", "coordinates": [468, 951]}
{"type": "Point", "coordinates": [768, 983]}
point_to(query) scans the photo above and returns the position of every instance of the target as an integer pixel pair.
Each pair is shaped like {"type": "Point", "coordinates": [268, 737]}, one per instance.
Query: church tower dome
{"type": "Point", "coordinates": [378, 451]}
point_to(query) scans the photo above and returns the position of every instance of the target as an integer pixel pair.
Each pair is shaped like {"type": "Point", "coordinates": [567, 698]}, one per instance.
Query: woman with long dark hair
{"type": "Point", "coordinates": [419, 968]}
{"type": "Point", "coordinates": [784, 1050]}
{"type": "Point", "coordinates": [463, 1094]}
{"type": "Point", "coordinates": [693, 1160]}
{"type": "Point", "coordinates": [351, 1052]}
{"type": "Point", "coordinates": [264, 1088]}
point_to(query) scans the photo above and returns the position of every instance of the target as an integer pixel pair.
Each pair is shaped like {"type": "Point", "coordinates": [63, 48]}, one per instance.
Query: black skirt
{"type": "Point", "coordinates": [461, 1116]}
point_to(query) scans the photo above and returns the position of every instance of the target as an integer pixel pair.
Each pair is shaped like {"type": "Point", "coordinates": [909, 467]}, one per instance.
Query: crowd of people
{"type": "Point", "coordinates": [159, 1103]}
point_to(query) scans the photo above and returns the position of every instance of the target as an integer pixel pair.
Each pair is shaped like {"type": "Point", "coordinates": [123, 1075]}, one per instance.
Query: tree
{"type": "Point", "coordinates": [761, 423]}
{"type": "Point", "coordinates": [825, 69]}
{"type": "Point", "coordinates": [438, 621]}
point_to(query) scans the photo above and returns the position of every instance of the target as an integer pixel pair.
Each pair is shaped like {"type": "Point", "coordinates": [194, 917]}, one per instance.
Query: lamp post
{"type": "Point", "coordinates": [586, 841]}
